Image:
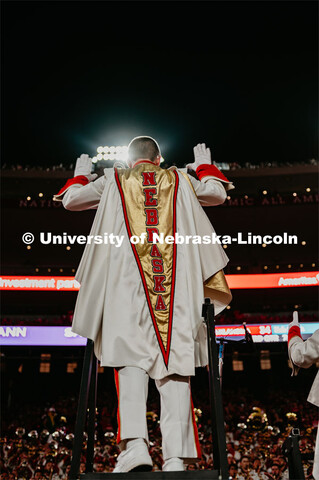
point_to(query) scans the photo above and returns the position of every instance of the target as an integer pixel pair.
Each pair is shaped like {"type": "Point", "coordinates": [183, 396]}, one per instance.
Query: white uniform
{"type": "Point", "coordinates": [111, 307]}
{"type": "Point", "coordinates": [304, 354]}
{"type": "Point", "coordinates": [113, 311]}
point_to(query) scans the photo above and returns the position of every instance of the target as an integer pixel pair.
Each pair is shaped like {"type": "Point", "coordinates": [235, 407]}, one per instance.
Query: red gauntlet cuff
{"type": "Point", "coordinates": [294, 331]}
{"type": "Point", "coordinates": [205, 170]}
{"type": "Point", "coordinates": [79, 179]}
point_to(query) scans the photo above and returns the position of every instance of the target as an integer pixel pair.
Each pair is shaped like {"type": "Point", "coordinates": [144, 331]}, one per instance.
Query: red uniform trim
{"type": "Point", "coordinates": [294, 331]}
{"type": "Point", "coordinates": [170, 321]}
{"type": "Point", "coordinates": [165, 353]}
{"type": "Point", "coordinates": [117, 386]}
{"type": "Point", "coordinates": [78, 180]}
{"type": "Point", "coordinates": [205, 170]}
{"type": "Point", "coordinates": [198, 449]}
{"type": "Point", "coordinates": [143, 161]}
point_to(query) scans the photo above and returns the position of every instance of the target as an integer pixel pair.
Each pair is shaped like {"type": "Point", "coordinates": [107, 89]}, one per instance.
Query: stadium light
{"type": "Point", "coordinates": [238, 365]}
{"type": "Point", "coordinates": [71, 367]}
{"type": "Point", "coordinates": [45, 365]}
{"type": "Point", "coordinates": [265, 362]}
{"type": "Point", "coordinates": [113, 153]}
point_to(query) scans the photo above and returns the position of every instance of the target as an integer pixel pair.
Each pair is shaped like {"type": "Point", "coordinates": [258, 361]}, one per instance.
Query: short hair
{"type": "Point", "coordinates": [244, 456]}
{"type": "Point", "coordinates": [143, 147]}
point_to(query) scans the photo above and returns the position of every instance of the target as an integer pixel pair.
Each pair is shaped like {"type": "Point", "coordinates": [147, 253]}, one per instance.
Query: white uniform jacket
{"type": "Point", "coordinates": [304, 354]}
{"type": "Point", "coordinates": [111, 307]}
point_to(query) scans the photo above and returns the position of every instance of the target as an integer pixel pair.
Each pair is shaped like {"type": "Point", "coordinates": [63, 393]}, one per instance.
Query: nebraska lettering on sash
{"type": "Point", "coordinates": [155, 251]}
{"type": "Point", "coordinates": [157, 264]}
{"type": "Point", "coordinates": [160, 304]}
{"type": "Point", "coordinates": [150, 233]}
{"type": "Point", "coordinates": [155, 189]}
{"type": "Point", "coordinates": [151, 216]}
{"type": "Point", "coordinates": [148, 178]}
{"type": "Point", "coordinates": [149, 200]}
{"type": "Point", "coordinates": [158, 283]}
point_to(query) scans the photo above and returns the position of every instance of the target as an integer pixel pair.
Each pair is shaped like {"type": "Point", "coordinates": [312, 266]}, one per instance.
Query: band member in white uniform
{"type": "Point", "coordinates": [303, 354]}
{"type": "Point", "coordinates": [140, 300]}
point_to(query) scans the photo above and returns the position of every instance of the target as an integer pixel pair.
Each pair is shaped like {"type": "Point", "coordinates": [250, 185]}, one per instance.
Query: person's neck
{"type": "Point", "coordinates": [142, 160]}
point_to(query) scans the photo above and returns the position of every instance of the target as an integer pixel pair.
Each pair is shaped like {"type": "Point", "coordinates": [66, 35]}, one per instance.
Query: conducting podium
{"type": "Point", "coordinates": [87, 410]}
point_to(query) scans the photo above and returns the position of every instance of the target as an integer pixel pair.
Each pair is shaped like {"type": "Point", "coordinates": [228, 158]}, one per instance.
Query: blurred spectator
{"type": "Point", "coordinates": [244, 468]}
{"type": "Point", "coordinates": [99, 467]}
{"type": "Point", "coordinates": [233, 471]}
{"type": "Point", "coordinates": [108, 164]}
{"type": "Point", "coordinates": [50, 420]}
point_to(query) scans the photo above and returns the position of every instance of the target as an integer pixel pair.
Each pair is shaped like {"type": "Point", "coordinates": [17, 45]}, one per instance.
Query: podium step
{"type": "Point", "coordinates": [158, 475]}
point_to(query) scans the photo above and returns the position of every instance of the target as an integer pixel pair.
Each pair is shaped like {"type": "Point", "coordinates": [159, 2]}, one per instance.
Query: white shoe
{"type": "Point", "coordinates": [173, 464]}
{"type": "Point", "coordinates": [136, 457]}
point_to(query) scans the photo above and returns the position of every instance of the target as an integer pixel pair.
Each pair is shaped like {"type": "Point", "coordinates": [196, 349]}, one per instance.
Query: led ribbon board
{"type": "Point", "coordinates": [66, 284]}
{"type": "Point", "coordinates": [64, 337]}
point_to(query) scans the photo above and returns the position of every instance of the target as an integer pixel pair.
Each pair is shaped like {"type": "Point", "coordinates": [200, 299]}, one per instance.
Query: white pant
{"type": "Point", "coordinates": [178, 427]}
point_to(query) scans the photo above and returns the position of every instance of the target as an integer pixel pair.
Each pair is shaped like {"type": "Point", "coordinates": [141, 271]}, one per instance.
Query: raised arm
{"type": "Point", "coordinates": [212, 184]}
{"type": "Point", "coordinates": [302, 353]}
{"type": "Point", "coordinates": [81, 192]}
{"type": "Point", "coordinates": [305, 353]}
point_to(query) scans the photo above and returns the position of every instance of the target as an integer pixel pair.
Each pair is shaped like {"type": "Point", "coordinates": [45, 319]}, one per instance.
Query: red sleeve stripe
{"type": "Point", "coordinates": [294, 331]}
{"type": "Point", "coordinates": [78, 180]}
{"type": "Point", "coordinates": [117, 386]}
{"type": "Point", "coordinates": [210, 171]}
{"type": "Point", "coordinates": [170, 321]}
{"type": "Point", "coordinates": [198, 449]}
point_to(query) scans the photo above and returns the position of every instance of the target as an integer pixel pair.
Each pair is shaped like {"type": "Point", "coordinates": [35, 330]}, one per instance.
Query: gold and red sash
{"type": "Point", "coordinates": [148, 194]}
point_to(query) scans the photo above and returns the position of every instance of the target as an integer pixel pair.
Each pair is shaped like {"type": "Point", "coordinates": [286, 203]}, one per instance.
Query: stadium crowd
{"type": "Point", "coordinates": [231, 317]}
{"type": "Point", "coordinates": [37, 441]}
{"type": "Point", "coordinates": [107, 163]}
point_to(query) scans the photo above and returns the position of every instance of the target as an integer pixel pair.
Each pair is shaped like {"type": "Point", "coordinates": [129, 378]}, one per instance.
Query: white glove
{"type": "Point", "coordinates": [202, 156]}
{"type": "Point", "coordinates": [295, 322]}
{"type": "Point", "coordinates": [83, 166]}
